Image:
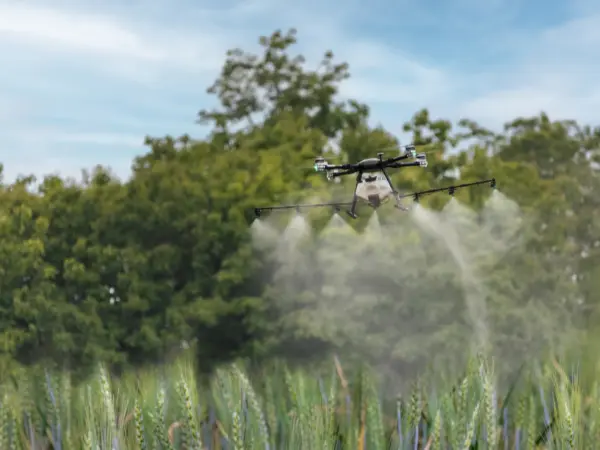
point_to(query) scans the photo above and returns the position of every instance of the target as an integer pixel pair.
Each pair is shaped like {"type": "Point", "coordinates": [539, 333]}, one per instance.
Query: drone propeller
{"type": "Point", "coordinates": [395, 149]}
{"type": "Point", "coordinates": [326, 155]}
{"type": "Point", "coordinates": [409, 148]}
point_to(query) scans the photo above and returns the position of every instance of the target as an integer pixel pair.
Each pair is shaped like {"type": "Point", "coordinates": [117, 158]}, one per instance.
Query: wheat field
{"type": "Point", "coordinates": [169, 408]}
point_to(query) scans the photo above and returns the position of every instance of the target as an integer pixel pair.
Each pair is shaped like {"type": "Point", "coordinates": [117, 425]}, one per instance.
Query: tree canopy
{"type": "Point", "coordinates": [129, 271]}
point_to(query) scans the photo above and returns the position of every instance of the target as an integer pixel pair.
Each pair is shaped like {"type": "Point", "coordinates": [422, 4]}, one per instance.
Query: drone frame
{"type": "Point", "coordinates": [367, 166]}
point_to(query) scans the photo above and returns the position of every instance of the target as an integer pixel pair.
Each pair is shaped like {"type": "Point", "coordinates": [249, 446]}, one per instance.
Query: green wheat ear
{"type": "Point", "coordinates": [415, 407]}
{"type": "Point", "coordinates": [139, 427]}
{"type": "Point", "coordinates": [462, 410]}
{"type": "Point", "coordinates": [470, 434]}
{"type": "Point", "coordinates": [237, 440]}
{"type": "Point", "coordinates": [490, 412]}
{"type": "Point", "coordinates": [436, 437]}
{"type": "Point", "coordinates": [191, 434]}
{"type": "Point", "coordinates": [254, 404]}
{"type": "Point", "coordinates": [532, 425]}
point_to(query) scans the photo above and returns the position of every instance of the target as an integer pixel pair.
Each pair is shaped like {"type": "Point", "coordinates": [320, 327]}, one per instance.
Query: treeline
{"type": "Point", "coordinates": [127, 272]}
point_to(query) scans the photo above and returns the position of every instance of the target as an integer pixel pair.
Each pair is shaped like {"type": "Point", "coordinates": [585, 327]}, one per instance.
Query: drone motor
{"type": "Point", "coordinates": [421, 159]}
{"type": "Point", "coordinates": [320, 164]}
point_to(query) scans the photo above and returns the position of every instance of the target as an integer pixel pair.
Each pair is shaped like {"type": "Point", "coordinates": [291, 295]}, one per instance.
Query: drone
{"type": "Point", "coordinates": [373, 183]}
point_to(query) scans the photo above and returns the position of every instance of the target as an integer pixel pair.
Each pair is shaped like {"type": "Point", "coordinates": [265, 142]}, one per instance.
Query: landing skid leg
{"type": "Point", "coordinates": [352, 211]}
{"type": "Point", "coordinates": [398, 204]}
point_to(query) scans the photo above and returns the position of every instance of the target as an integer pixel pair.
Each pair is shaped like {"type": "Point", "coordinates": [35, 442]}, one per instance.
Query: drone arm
{"type": "Point", "coordinates": [348, 167]}
{"type": "Point", "coordinates": [342, 173]}
{"type": "Point", "coordinates": [399, 158]}
{"type": "Point", "coordinates": [410, 153]}
{"type": "Point", "coordinates": [397, 165]}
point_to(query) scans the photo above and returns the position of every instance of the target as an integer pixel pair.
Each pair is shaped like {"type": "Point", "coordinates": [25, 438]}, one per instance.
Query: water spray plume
{"type": "Point", "coordinates": [454, 210]}
{"type": "Point", "coordinates": [437, 228]}
{"type": "Point", "coordinates": [373, 228]}
{"type": "Point", "coordinates": [297, 231]}
{"type": "Point", "coordinates": [502, 218]}
{"type": "Point", "coordinates": [462, 222]}
{"type": "Point", "coordinates": [407, 290]}
{"type": "Point", "coordinates": [338, 225]}
{"type": "Point", "coordinates": [264, 235]}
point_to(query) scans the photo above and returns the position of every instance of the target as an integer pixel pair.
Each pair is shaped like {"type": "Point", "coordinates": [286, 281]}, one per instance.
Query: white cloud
{"type": "Point", "coordinates": [50, 136]}
{"type": "Point", "coordinates": [558, 72]}
{"type": "Point", "coordinates": [80, 32]}
{"type": "Point", "coordinates": [381, 74]}
{"type": "Point", "coordinates": [104, 36]}
{"type": "Point", "coordinates": [10, 110]}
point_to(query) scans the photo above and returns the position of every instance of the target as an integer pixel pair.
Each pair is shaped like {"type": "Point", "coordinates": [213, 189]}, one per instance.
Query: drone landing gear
{"type": "Point", "coordinates": [352, 211]}
{"type": "Point", "coordinates": [398, 204]}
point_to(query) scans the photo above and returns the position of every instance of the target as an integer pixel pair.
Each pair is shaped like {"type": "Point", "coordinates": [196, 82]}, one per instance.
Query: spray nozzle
{"type": "Point", "coordinates": [416, 198]}
{"type": "Point", "coordinates": [451, 190]}
{"type": "Point", "coordinates": [493, 183]}
{"type": "Point", "coordinates": [257, 212]}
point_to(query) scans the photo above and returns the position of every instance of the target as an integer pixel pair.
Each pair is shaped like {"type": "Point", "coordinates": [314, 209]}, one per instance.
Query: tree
{"type": "Point", "coordinates": [255, 88]}
{"type": "Point", "coordinates": [39, 322]}
{"type": "Point", "coordinates": [129, 272]}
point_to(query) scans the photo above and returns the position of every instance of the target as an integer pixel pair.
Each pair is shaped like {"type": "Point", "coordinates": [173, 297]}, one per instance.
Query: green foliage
{"type": "Point", "coordinates": [128, 272]}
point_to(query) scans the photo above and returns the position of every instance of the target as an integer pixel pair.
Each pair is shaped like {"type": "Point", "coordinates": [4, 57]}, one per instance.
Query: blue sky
{"type": "Point", "coordinates": [82, 82]}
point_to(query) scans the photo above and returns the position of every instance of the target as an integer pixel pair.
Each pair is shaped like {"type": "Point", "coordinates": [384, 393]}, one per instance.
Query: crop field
{"type": "Point", "coordinates": [291, 409]}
